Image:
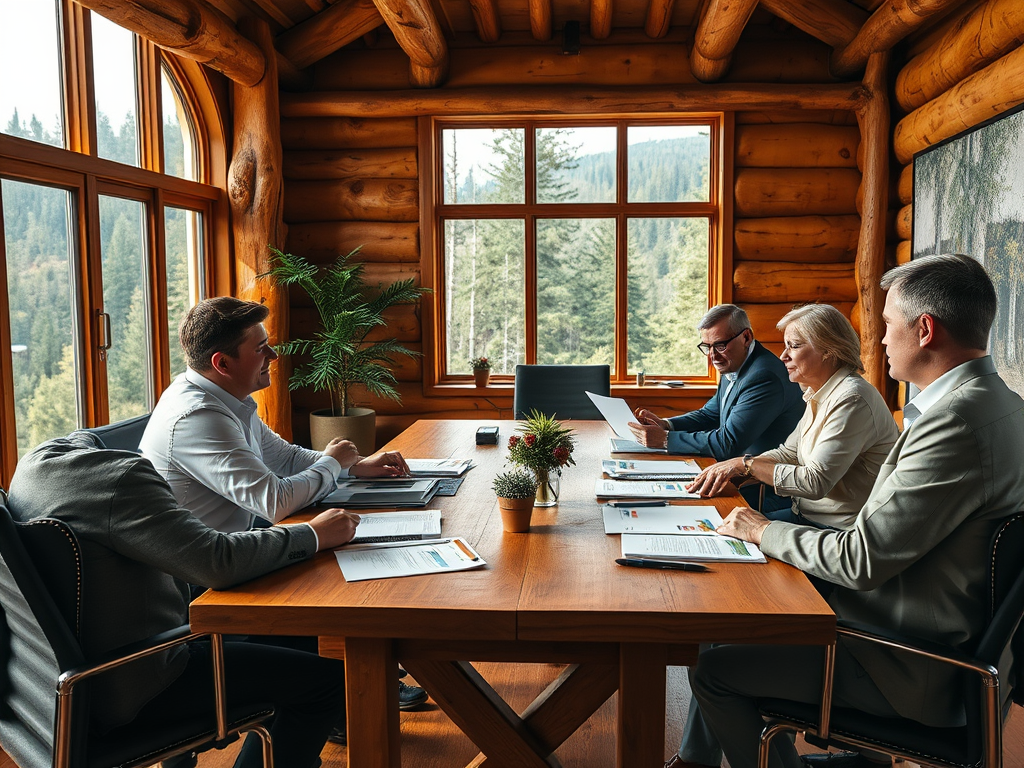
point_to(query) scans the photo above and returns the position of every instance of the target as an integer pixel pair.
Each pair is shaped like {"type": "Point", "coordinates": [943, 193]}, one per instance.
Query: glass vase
{"type": "Point", "coordinates": [549, 483]}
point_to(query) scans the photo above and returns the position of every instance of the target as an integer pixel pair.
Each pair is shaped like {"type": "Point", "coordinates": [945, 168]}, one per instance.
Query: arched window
{"type": "Point", "coordinates": [111, 171]}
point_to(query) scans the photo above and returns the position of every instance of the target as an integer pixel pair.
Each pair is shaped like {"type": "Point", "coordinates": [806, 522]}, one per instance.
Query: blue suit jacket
{"type": "Point", "coordinates": [761, 410]}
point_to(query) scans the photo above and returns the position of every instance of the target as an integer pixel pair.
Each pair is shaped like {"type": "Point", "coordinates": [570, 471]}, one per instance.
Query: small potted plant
{"type": "Point", "coordinates": [544, 446]}
{"type": "Point", "coordinates": [516, 491]}
{"type": "Point", "coordinates": [481, 370]}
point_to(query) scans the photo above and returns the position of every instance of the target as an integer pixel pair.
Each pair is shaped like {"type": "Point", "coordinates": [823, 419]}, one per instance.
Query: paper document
{"type": "Point", "coordinates": [622, 445]}
{"type": "Point", "coordinates": [697, 548]}
{"type": "Point", "coordinates": [615, 412]}
{"type": "Point", "coordinates": [641, 489]}
{"type": "Point", "coordinates": [398, 526]}
{"type": "Point", "coordinates": [668, 519]}
{"type": "Point", "coordinates": [438, 467]}
{"type": "Point", "coordinates": [389, 561]}
{"type": "Point", "coordinates": [627, 469]}
{"type": "Point", "coordinates": [383, 492]}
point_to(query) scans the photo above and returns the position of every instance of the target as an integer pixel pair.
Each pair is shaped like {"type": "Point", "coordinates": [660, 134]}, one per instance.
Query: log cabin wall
{"type": "Point", "coordinates": [351, 182]}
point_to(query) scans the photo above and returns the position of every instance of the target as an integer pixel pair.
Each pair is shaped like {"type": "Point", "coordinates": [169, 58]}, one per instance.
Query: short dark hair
{"type": "Point", "coordinates": [738, 320]}
{"type": "Point", "coordinates": [954, 289]}
{"type": "Point", "coordinates": [217, 325]}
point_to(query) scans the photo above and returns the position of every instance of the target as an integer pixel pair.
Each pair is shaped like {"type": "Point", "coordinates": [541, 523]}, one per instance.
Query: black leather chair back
{"type": "Point", "coordinates": [560, 391]}
{"type": "Point", "coordinates": [1007, 605]}
{"type": "Point", "coordinates": [121, 435]}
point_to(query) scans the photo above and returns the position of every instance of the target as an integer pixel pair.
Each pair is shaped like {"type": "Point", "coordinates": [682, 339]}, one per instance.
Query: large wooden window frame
{"type": "Point", "coordinates": [86, 177]}
{"type": "Point", "coordinates": [434, 212]}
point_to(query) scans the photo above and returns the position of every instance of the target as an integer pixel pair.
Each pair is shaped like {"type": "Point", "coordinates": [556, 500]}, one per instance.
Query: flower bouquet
{"type": "Point", "coordinates": [543, 446]}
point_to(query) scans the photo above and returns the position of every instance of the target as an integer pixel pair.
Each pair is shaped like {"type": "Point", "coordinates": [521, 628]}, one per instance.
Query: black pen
{"type": "Point", "coordinates": [626, 504]}
{"type": "Point", "coordinates": [665, 565]}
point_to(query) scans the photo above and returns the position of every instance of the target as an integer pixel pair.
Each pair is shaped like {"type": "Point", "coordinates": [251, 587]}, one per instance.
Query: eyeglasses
{"type": "Point", "coordinates": [718, 346]}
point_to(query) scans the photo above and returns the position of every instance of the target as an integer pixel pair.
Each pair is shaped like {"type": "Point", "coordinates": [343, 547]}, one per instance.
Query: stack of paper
{"type": "Point", "coordinates": [625, 469]}
{"type": "Point", "coordinates": [388, 561]}
{"type": "Point", "coordinates": [438, 467]}
{"type": "Point", "coordinates": [633, 489]}
{"type": "Point", "coordinates": [383, 492]}
{"type": "Point", "coordinates": [398, 526]}
{"type": "Point", "coordinates": [693, 548]}
{"type": "Point", "coordinates": [666, 519]}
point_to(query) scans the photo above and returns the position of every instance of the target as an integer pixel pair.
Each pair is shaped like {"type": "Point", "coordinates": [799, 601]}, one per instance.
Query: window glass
{"type": "Point", "coordinates": [41, 311]}
{"type": "Point", "coordinates": [122, 231]}
{"type": "Point", "coordinates": [113, 59]}
{"type": "Point", "coordinates": [30, 100]}
{"type": "Point", "coordinates": [576, 292]}
{"type": "Point", "coordinates": [179, 144]}
{"type": "Point", "coordinates": [669, 163]}
{"type": "Point", "coordinates": [183, 238]}
{"type": "Point", "coordinates": [667, 294]}
{"type": "Point", "coordinates": [576, 165]}
{"type": "Point", "coordinates": [485, 293]}
{"type": "Point", "coordinates": [484, 165]}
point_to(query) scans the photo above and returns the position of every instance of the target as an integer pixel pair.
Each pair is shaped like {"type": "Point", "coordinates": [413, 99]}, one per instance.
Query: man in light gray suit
{"type": "Point", "coordinates": [916, 559]}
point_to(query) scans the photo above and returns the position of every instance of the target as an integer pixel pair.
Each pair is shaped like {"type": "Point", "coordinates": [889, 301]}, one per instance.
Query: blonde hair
{"type": "Point", "coordinates": [827, 330]}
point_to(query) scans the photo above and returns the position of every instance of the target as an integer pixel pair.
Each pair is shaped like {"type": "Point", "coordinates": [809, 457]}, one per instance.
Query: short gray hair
{"type": "Point", "coordinates": [827, 330]}
{"type": "Point", "coordinates": [738, 320]}
{"type": "Point", "coordinates": [954, 289]}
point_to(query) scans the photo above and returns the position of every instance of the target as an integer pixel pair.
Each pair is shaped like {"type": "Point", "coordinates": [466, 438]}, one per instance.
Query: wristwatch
{"type": "Point", "coordinates": [748, 464]}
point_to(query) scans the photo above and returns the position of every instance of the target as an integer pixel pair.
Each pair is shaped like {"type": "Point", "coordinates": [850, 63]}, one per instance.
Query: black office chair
{"type": "Point", "coordinates": [978, 743]}
{"type": "Point", "coordinates": [43, 704]}
{"type": "Point", "coordinates": [560, 391]}
{"type": "Point", "coordinates": [122, 435]}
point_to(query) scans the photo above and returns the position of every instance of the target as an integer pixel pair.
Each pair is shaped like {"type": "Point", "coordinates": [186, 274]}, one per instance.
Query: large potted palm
{"type": "Point", "coordinates": [339, 358]}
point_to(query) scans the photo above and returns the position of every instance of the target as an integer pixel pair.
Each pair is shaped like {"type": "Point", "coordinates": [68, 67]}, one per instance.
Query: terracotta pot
{"type": "Point", "coordinates": [481, 376]}
{"type": "Point", "coordinates": [359, 426]}
{"type": "Point", "coordinates": [516, 514]}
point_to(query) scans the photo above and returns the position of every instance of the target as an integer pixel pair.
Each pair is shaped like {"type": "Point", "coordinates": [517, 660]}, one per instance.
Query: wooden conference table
{"type": "Point", "coordinates": [552, 595]}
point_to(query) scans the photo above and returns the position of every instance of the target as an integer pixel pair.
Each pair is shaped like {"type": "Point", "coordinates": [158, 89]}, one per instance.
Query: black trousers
{"type": "Point", "coordinates": [306, 691]}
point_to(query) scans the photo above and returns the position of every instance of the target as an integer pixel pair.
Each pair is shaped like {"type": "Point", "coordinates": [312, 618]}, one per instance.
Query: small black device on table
{"type": "Point", "coordinates": [487, 436]}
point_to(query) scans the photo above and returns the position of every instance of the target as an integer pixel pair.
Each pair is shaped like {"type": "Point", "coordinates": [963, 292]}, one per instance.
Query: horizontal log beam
{"type": "Point", "coordinates": [811, 239]}
{"type": "Point", "coordinates": [563, 100]}
{"type": "Point", "coordinates": [387, 241]}
{"type": "Point", "coordinates": [348, 133]}
{"type": "Point", "coordinates": [765, 317]}
{"type": "Point", "coordinates": [786, 283]}
{"type": "Point", "coordinates": [795, 191]}
{"type": "Point", "coordinates": [784, 117]}
{"type": "Point", "coordinates": [327, 31]}
{"type": "Point", "coordinates": [904, 249]}
{"type": "Point", "coordinates": [834, 23]}
{"type": "Point", "coordinates": [905, 222]}
{"type": "Point", "coordinates": [352, 200]}
{"type": "Point", "coordinates": [989, 32]}
{"type": "Point", "coordinates": [892, 22]}
{"type": "Point", "coordinates": [718, 32]}
{"type": "Point", "coordinates": [796, 146]}
{"type": "Point", "coordinates": [985, 94]}
{"type": "Point", "coordinates": [906, 184]}
{"type": "Point", "coordinates": [343, 164]}
{"type": "Point", "coordinates": [189, 28]}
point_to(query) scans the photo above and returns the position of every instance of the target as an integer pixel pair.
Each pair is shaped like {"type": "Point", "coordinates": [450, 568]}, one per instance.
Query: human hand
{"type": "Point", "coordinates": [714, 480]}
{"type": "Point", "coordinates": [648, 418]}
{"type": "Point", "coordinates": [342, 451]}
{"type": "Point", "coordinates": [334, 527]}
{"type": "Point", "coordinates": [383, 464]}
{"type": "Point", "coordinates": [744, 523]}
{"type": "Point", "coordinates": [651, 436]}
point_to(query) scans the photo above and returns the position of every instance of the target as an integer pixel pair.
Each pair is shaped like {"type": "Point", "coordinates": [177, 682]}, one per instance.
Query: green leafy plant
{"type": "Point", "coordinates": [480, 364]}
{"type": "Point", "coordinates": [543, 445]}
{"type": "Point", "coordinates": [515, 484]}
{"type": "Point", "coordinates": [340, 357]}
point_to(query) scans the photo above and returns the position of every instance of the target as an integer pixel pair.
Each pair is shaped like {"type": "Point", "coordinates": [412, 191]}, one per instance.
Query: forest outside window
{"type": "Point", "coordinates": [576, 242]}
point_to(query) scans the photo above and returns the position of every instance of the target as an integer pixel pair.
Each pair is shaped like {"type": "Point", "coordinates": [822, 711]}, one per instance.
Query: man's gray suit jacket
{"type": "Point", "coordinates": [916, 560]}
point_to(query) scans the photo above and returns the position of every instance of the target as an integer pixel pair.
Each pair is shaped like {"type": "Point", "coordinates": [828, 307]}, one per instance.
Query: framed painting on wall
{"type": "Point", "coordinates": [969, 198]}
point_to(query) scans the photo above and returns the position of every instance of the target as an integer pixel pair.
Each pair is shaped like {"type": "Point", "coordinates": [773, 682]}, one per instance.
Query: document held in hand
{"type": "Point", "coordinates": [710, 547]}
{"type": "Point", "coordinates": [667, 519]}
{"type": "Point", "coordinates": [398, 526]}
{"type": "Point", "coordinates": [618, 415]}
{"type": "Point", "coordinates": [637, 489]}
{"type": "Point", "coordinates": [389, 561]}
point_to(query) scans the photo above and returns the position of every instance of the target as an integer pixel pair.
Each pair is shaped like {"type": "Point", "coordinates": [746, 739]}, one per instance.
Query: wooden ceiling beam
{"type": "Point", "coordinates": [485, 15]}
{"type": "Point", "coordinates": [189, 28]}
{"type": "Point", "coordinates": [327, 31]}
{"type": "Point", "coordinates": [540, 19]}
{"type": "Point", "coordinates": [659, 18]}
{"type": "Point", "coordinates": [418, 34]}
{"type": "Point", "coordinates": [558, 100]}
{"type": "Point", "coordinates": [600, 19]}
{"type": "Point", "coordinates": [892, 22]}
{"type": "Point", "coordinates": [721, 24]}
{"type": "Point", "coordinates": [834, 23]}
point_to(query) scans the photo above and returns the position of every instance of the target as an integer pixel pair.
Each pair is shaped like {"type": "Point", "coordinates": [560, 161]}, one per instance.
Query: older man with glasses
{"type": "Point", "coordinates": [755, 408]}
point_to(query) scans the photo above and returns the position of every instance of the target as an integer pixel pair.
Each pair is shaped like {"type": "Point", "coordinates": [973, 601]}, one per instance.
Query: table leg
{"type": "Point", "coordinates": [641, 715]}
{"type": "Point", "coordinates": [371, 692]}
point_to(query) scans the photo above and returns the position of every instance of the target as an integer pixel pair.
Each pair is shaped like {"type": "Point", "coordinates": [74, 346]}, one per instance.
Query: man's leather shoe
{"type": "Point", "coordinates": [410, 697]}
{"type": "Point", "coordinates": [338, 734]}
{"type": "Point", "coordinates": [839, 760]}
{"type": "Point", "coordinates": [678, 762]}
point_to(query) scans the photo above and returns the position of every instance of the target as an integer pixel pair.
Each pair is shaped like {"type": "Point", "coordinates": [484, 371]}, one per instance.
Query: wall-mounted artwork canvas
{"type": "Point", "coordinates": [969, 198]}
